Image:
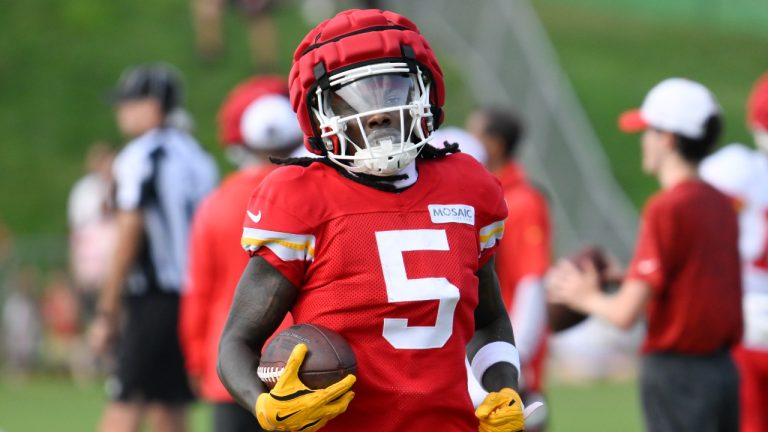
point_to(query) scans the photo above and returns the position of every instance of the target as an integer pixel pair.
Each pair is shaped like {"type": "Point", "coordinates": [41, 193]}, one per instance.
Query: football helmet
{"type": "Point", "coordinates": [160, 81]}
{"type": "Point", "coordinates": [757, 112]}
{"type": "Point", "coordinates": [232, 116]}
{"type": "Point", "coordinates": [368, 91]}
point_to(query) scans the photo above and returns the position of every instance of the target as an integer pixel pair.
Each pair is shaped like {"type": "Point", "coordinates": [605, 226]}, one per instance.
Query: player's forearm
{"type": "Point", "coordinates": [109, 299]}
{"type": "Point", "coordinates": [129, 226]}
{"type": "Point", "coordinates": [236, 367]}
{"type": "Point", "coordinates": [494, 338]}
{"type": "Point", "coordinates": [622, 309]}
{"type": "Point", "coordinates": [500, 374]}
{"type": "Point", "coordinates": [262, 299]}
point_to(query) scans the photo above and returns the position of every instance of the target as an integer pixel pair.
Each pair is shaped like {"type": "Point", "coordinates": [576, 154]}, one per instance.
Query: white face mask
{"type": "Point", "coordinates": [761, 139]}
{"type": "Point", "coordinates": [384, 91]}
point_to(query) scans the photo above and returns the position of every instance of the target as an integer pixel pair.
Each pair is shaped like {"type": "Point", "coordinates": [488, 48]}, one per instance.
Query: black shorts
{"type": "Point", "coordinates": [231, 417]}
{"type": "Point", "coordinates": [150, 367]}
{"type": "Point", "coordinates": [687, 393]}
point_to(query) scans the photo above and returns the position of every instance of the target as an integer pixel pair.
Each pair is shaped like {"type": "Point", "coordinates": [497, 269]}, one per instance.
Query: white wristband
{"type": "Point", "coordinates": [494, 352]}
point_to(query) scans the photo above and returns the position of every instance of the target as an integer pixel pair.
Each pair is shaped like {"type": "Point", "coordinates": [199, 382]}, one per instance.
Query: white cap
{"type": "Point", "coordinates": [269, 123]}
{"type": "Point", "coordinates": [467, 142]}
{"type": "Point", "coordinates": [676, 105]}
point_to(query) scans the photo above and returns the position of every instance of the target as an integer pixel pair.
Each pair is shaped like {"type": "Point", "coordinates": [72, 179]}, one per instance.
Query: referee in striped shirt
{"type": "Point", "coordinates": [161, 175]}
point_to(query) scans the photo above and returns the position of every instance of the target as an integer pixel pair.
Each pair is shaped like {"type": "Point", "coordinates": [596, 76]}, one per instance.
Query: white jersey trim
{"type": "Point", "coordinates": [288, 247]}
{"type": "Point", "coordinates": [490, 234]}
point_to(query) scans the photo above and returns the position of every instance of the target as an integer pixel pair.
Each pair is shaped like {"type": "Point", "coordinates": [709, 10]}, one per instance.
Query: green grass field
{"type": "Point", "coordinates": [54, 404]}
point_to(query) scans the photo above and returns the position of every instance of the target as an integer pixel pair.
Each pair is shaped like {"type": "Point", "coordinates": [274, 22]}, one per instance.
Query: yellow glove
{"type": "Point", "coordinates": [501, 411]}
{"type": "Point", "coordinates": [292, 406]}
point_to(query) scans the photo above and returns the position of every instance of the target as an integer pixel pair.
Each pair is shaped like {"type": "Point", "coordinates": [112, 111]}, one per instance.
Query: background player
{"type": "Point", "coordinates": [255, 120]}
{"type": "Point", "coordinates": [161, 175]}
{"type": "Point", "coordinates": [383, 239]}
{"type": "Point", "coordinates": [467, 143]}
{"type": "Point", "coordinates": [742, 174]}
{"type": "Point", "coordinates": [685, 270]}
{"type": "Point", "coordinates": [523, 257]}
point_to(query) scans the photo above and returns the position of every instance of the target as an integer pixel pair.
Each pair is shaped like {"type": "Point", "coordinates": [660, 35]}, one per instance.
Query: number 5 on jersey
{"type": "Point", "coordinates": [397, 332]}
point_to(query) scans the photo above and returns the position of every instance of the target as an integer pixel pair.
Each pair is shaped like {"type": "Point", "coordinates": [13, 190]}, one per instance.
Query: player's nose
{"type": "Point", "coordinates": [378, 121]}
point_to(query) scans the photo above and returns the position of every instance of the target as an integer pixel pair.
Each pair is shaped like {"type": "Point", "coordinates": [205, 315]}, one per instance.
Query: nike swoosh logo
{"type": "Point", "coordinates": [279, 418]}
{"type": "Point", "coordinates": [254, 217]}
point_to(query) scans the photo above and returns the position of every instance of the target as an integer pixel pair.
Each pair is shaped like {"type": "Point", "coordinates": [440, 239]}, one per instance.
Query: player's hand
{"type": "Point", "coordinates": [501, 411]}
{"type": "Point", "coordinates": [101, 334]}
{"type": "Point", "coordinates": [569, 285]}
{"type": "Point", "coordinates": [292, 406]}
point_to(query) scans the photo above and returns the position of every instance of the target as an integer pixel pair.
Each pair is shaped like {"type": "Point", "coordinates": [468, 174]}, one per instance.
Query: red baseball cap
{"type": "Point", "coordinates": [757, 106]}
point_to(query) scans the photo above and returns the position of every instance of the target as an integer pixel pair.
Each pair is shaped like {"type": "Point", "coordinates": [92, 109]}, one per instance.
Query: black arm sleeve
{"type": "Point", "coordinates": [492, 324]}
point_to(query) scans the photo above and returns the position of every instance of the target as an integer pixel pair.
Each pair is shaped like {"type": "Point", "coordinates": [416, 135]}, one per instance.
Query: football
{"type": "Point", "coordinates": [562, 317]}
{"type": "Point", "coordinates": [329, 357]}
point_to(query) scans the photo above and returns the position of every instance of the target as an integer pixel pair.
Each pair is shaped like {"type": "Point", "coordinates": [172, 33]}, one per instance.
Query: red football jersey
{"type": "Point", "coordinates": [393, 273]}
{"type": "Point", "coordinates": [687, 252]}
{"type": "Point", "coordinates": [214, 269]}
{"type": "Point", "coordinates": [529, 253]}
{"type": "Point", "coordinates": [524, 253]}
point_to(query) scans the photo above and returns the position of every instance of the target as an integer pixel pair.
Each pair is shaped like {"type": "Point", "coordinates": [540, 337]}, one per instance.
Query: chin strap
{"type": "Point", "coordinates": [382, 183]}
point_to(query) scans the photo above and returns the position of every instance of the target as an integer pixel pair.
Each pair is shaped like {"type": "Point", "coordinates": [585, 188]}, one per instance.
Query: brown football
{"type": "Point", "coordinates": [562, 317]}
{"type": "Point", "coordinates": [329, 357]}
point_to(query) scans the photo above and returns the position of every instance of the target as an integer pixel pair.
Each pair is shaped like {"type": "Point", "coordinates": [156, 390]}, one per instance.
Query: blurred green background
{"type": "Point", "coordinates": [58, 59]}
{"type": "Point", "coordinates": [614, 51]}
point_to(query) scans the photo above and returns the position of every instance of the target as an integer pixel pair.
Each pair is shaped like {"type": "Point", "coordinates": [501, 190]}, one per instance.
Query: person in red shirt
{"type": "Point", "coordinates": [742, 173]}
{"type": "Point", "coordinates": [752, 355]}
{"type": "Point", "coordinates": [523, 257]}
{"type": "Point", "coordinates": [255, 121]}
{"type": "Point", "coordinates": [383, 239]}
{"type": "Point", "coordinates": [685, 273]}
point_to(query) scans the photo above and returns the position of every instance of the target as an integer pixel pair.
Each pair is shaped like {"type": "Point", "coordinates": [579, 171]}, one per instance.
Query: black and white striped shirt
{"type": "Point", "coordinates": [164, 173]}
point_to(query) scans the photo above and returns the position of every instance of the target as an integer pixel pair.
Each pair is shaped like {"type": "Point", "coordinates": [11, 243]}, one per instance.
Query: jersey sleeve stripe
{"type": "Point", "coordinates": [490, 234]}
{"type": "Point", "coordinates": [288, 247]}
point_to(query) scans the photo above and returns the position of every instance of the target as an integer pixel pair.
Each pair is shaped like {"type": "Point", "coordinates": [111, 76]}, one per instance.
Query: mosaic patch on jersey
{"type": "Point", "coordinates": [452, 213]}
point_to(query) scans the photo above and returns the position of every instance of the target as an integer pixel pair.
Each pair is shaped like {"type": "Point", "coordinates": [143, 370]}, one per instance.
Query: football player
{"type": "Point", "coordinates": [383, 239]}
{"type": "Point", "coordinates": [255, 121]}
{"type": "Point", "coordinates": [742, 174]}
{"type": "Point", "coordinates": [524, 257]}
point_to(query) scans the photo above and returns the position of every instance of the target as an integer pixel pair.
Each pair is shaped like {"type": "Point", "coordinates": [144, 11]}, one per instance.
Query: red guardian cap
{"type": "Point", "coordinates": [350, 40]}
{"type": "Point", "coordinates": [757, 106]}
{"type": "Point", "coordinates": [239, 99]}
